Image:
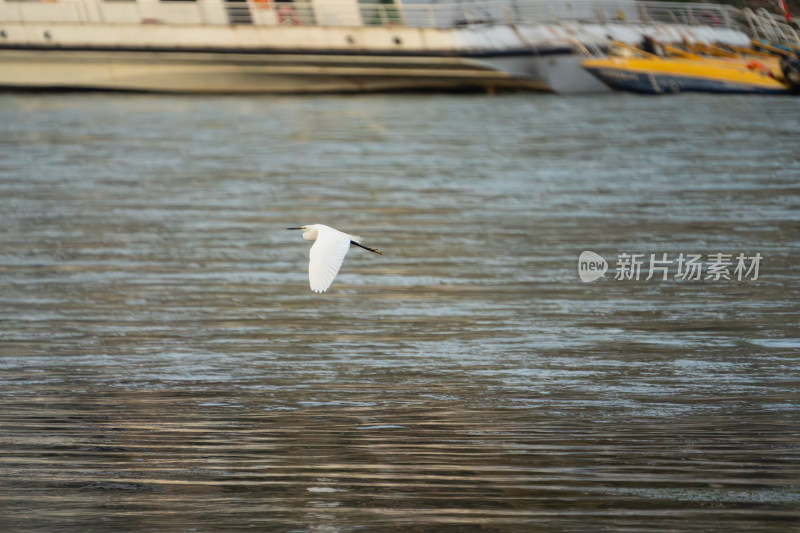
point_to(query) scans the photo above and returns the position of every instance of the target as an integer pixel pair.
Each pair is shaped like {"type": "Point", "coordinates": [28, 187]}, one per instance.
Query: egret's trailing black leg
{"type": "Point", "coordinates": [366, 247]}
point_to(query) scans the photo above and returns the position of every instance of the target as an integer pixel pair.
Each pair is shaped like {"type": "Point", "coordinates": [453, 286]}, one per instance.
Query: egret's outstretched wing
{"type": "Point", "coordinates": [327, 255]}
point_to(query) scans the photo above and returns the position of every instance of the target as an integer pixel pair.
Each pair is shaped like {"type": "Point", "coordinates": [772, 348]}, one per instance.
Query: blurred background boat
{"type": "Point", "coordinates": [673, 70]}
{"type": "Point", "coordinates": [304, 46]}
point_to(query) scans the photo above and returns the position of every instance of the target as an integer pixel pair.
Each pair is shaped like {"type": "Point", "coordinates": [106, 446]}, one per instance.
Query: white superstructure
{"type": "Point", "coordinates": [329, 45]}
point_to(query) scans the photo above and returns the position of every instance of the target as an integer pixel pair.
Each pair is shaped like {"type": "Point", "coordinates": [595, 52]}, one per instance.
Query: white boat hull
{"type": "Point", "coordinates": [208, 72]}
{"type": "Point", "coordinates": [563, 74]}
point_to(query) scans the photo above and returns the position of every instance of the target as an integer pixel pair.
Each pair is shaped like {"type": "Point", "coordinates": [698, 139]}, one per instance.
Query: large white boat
{"type": "Point", "coordinates": [300, 46]}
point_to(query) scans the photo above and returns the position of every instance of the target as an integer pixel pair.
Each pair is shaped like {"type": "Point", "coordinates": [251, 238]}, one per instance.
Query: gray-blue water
{"type": "Point", "coordinates": [164, 365]}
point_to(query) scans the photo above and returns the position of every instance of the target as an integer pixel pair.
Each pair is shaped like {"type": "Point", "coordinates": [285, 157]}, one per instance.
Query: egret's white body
{"type": "Point", "coordinates": [327, 253]}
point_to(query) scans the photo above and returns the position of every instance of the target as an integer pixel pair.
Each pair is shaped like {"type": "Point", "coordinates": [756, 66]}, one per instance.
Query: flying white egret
{"type": "Point", "coordinates": [327, 253]}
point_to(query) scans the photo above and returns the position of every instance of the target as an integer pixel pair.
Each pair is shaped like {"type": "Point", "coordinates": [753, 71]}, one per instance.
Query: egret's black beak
{"type": "Point", "coordinates": [294, 228]}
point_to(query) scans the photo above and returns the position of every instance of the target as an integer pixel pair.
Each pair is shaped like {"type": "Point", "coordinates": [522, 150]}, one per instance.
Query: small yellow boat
{"type": "Point", "coordinates": [630, 69]}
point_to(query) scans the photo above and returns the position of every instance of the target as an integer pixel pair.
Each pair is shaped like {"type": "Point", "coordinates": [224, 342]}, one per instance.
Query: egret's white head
{"type": "Point", "coordinates": [310, 232]}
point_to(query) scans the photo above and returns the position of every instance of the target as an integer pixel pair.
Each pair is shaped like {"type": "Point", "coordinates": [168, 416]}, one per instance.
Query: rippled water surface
{"type": "Point", "coordinates": [164, 365]}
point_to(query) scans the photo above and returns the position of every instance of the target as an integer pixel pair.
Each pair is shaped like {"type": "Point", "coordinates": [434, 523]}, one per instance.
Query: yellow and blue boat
{"type": "Point", "coordinates": [630, 69]}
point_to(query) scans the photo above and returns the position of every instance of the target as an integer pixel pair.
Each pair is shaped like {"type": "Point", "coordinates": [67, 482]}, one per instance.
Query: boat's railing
{"type": "Point", "coordinates": [414, 13]}
{"type": "Point", "coordinates": [765, 26]}
{"type": "Point", "coordinates": [692, 14]}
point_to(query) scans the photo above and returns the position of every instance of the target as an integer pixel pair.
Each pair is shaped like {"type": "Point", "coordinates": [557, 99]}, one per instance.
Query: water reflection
{"type": "Point", "coordinates": [165, 366]}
